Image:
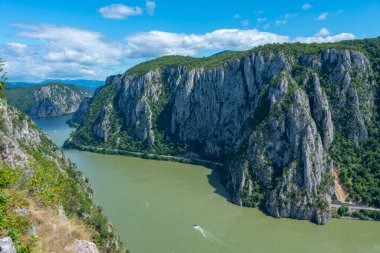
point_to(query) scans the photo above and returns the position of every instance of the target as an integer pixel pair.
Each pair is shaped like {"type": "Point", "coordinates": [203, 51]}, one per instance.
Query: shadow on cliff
{"type": "Point", "coordinates": [215, 180]}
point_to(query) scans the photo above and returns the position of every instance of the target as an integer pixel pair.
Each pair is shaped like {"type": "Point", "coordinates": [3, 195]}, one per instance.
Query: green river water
{"type": "Point", "coordinates": [154, 204]}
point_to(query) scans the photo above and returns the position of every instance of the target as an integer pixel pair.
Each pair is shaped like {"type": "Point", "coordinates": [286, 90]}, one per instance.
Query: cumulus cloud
{"type": "Point", "coordinates": [323, 16]}
{"type": "Point", "coordinates": [236, 16]}
{"type": "Point", "coordinates": [64, 44]}
{"type": "Point", "coordinates": [306, 6]}
{"type": "Point", "coordinates": [156, 43]}
{"type": "Point", "coordinates": [150, 7]}
{"type": "Point", "coordinates": [62, 51]}
{"type": "Point", "coordinates": [18, 47]}
{"type": "Point", "coordinates": [320, 39]}
{"type": "Point", "coordinates": [121, 11]}
{"type": "Point", "coordinates": [261, 19]}
{"type": "Point", "coordinates": [323, 32]}
{"type": "Point", "coordinates": [68, 52]}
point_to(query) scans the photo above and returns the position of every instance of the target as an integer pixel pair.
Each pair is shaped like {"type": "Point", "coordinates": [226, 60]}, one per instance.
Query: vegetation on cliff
{"type": "Point", "coordinates": [38, 183]}
{"type": "Point", "coordinates": [221, 108]}
{"type": "Point", "coordinates": [50, 99]}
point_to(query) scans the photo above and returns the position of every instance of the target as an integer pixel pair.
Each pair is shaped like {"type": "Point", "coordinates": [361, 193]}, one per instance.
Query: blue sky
{"type": "Point", "coordinates": [43, 39]}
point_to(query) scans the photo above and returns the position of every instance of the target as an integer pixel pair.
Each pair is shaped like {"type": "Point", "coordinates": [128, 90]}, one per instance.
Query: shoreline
{"type": "Point", "coordinates": [169, 158]}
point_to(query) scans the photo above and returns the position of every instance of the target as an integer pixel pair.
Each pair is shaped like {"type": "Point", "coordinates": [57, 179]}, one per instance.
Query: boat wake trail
{"type": "Point", "coordinates": [198, 228]}
{"type": "Point", "coordinates": [208, 236]}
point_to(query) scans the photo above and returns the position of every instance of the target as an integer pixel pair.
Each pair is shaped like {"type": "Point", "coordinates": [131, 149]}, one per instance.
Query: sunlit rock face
{"type": "Point", "coordinates": [270, 117]}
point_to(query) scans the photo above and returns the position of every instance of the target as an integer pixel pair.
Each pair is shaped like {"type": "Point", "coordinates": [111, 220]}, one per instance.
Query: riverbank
{"type": "Point", "coordinates": [159, 202]}
{"type": "Point", "coordinates": [355, 212]}
{"type": "Point", "coordinates": [146, 155]}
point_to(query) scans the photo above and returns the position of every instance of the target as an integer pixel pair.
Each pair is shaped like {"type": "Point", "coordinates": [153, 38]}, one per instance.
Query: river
{"type": "Point", "coordinates": [154, 205]}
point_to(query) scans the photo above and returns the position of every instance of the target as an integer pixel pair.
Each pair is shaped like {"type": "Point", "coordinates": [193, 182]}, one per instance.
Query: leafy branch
{"type": "Point", "coordinates": [3, 78]}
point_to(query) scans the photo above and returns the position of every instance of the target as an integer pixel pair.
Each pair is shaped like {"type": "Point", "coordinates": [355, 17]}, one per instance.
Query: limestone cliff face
{"type": "Point", "coordinates": [48, 100]}
{"type": "Point", "coordinates": [78, 115]}
{"type": "Point", "coordinates": [56, 100]}
{"type": "Point", "coordinates": [270, 116]}
{"type": "Point", "coordinates": [18, 134]}
{"type": "Point", "coordinates": [44, 168]}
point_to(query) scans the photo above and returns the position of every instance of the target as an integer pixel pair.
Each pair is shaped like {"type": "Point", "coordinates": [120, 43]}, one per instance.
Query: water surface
{"type": "Point", "coordinates": [154, 205]}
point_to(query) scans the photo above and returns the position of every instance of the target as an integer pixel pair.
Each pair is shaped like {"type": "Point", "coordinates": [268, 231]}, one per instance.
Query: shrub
{"type": "Point", "coordinates": [343, 211]}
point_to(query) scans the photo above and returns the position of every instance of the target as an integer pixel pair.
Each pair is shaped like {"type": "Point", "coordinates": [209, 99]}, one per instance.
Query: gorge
{"type": "Point", "coordinates": [154, 204]}
{"type": "Point", "coordinates": [279, 117]}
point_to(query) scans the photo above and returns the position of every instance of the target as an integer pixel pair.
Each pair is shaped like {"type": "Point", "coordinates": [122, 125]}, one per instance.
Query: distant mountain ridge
{"type": "Point", "coordinates": [92, 84]}
{"type": "Point", "coordinates": [47, 100]}
{"type": "Point", "coordinates": [81, 82]}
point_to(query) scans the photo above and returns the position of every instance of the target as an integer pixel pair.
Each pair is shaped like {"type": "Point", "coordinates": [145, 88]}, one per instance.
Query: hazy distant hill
{"type": "Point", "coordinates": [81, 82]}
{"type": "Point", "coordinates": [91, 84]}
{"type": "Point", "coordinates": [46, 100]}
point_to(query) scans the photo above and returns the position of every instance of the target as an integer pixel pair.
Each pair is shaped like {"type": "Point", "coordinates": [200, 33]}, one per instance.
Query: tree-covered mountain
{"type": "Point", "coordinates": [47, 100]}
{"type": "Point", "coordinates": [282, 118]}
{"type": "Point", "coordinates": [89, 84]}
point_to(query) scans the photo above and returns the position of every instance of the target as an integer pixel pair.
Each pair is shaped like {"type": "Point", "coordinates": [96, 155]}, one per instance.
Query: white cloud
{"type": "Point", "coordinates": [261, 19]}
{"type": "Point", "coordinates": [323, 16]}
{"type": "Point", "coordinates": [72, 44]}
{"type": "Point", "coordinates": [281, 21]}
{"type": "Point", "coordinates": [17, 46]}
{"type": "Point", "coordinates": [323, 32]}
{"type": "Point", "coordinates": [306, 6]}
{"type": "Point", "coordinates": [284, 20]}
{"type": "Point", "coordinates": [150, 7]}
{"type": "Point", "coordinates": [245, 22]}
{"type": "Point", "coordinates": [68, 52]}
{"type": "Point", "coordinates": [158, 43]}
{"type": "Point", "coordinates": [237, 16]}
{"type": "Point", "coordinates": [266, 26]}
{"type": "Point", "coordinates": [120, 11]}
{"type": "Point", "coordinates": [319, 39]}
{"type": "Point", "coordinates": [62, 51]}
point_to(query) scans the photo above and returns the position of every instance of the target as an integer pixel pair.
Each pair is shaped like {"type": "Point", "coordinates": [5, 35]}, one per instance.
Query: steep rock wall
{"type": "Point", "coordinates": [270, 116]}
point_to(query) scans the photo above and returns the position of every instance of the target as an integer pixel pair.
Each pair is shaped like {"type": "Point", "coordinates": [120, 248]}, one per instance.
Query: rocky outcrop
{"type": "Point", "coordinates": [103, 127]}
{"type": "Point", "coordinates": [18, 135]}
{"type": "Point", "coordinates": [77, 117]}
{"type": "Point", "coordinates": [270, 116]}
{"type": "Point", "coordinates": [42, 168]}
{"type": "Point", "coordinates": [48, 100]}
{"type": "Point", "coordinates": [6, 245]}
{"type": "Point", "coordinates": [81, 246]}
{"type": "Point", "coordinates": [55, 100]}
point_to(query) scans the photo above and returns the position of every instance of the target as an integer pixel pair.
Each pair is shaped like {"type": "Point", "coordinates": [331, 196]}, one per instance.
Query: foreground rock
{"type": "Point", "coordinates": [6, 245]}
{"type": "Point", "coordinates": [81, 246]}
{"type": "Point", "coordinates": [54, 200]}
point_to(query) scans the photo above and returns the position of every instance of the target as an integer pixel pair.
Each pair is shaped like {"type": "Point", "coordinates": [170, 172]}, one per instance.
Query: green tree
{"type": "Point", "coordinates": [343, 211]}
{"type": "Point", "coordinates": [3, 77]}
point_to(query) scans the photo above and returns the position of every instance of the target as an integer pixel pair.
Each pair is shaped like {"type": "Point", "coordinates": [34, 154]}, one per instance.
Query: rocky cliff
{"type": "Point", "coordinates": [270, 114]}
{"type": "Point", "coordinates": [48, 100]}
{"type": "Point", "coordinates": [42, 193]}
